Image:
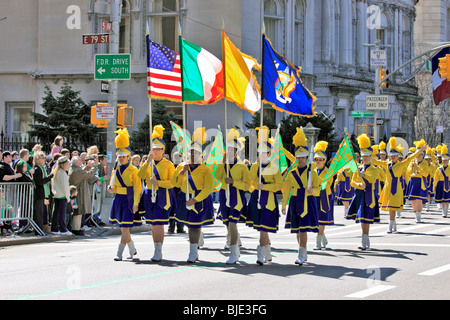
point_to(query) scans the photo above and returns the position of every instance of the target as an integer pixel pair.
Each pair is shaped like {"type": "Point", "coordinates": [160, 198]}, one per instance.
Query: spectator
{"type": "Point", "coordinates": [7, 174]}
{"type": "Point", "coordinates": [136, 161]}
{"type": "Point", "coordinates": [36, 148]}
{"type": "Point", "coordinates": [76, 216]}
{"type": "Point", "coordinates": [83, 158]}
{"type": "Point", "coordinates": [42, 192]}
{"type": "Point", "coordinates": [94, 193]}
{"type": "Point", "coordinates": [24, 155]}
{"type": "Point", "coordinates": [79, 177]}
{"type": "Point", "coordinates": [57, 145]}
{"type": "Point", "coordinates": [75, 153]}
{"type": "Point", "coordinates": [61, 191]}
{"type": "Point", "coordinates": [104, 179]}
{"type": "Point", "coordinates": [21, 167]}
{"type": "Point", "coordinates": [15, 156]}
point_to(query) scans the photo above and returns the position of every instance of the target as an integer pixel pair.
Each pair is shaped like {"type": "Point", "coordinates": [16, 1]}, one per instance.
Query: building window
{"type": "Point", "coordinates": [21, 119]}
{"type": "Point", "coordinates": [162, 21]}
{"type": "Point", "coordinates": [125, 30]}
{"type": "Point", "coordinates": [273, 23]}
{"type": "Point", "coordinates": [299, 33]}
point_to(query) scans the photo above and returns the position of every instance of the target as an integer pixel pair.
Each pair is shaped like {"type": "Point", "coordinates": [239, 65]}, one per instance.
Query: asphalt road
{"type": "Point", "coordinates": [413, 263]}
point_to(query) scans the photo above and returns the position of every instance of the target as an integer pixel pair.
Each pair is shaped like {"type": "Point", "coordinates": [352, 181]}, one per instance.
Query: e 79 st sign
{"type": "Point", "coordinates": [95, 38]}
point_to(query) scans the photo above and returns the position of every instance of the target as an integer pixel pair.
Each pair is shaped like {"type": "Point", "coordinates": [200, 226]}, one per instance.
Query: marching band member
{"type": "Point", "coordinates": [263, 211]}
{"type": "Point", "coordinates": [417, 190]}
{"type": "Point", "coordinates": [233, 204]}
{"type": "Point", "coordinates": [127, 186]}
{"type": "Point", "coordinates": [392, 195]}
{"type": "Point", "coordinates": [157, 171]}
{"type": "Point", "coordinates": [198, 210]}
{"type": "Point", "coordinates": [343, 188]}
{"type": "Point", "coordinates": [300, 192]}
{"type": "Point", "coordinates": [364, 206]}
{"type": "Point", "coordinates": [325, 201]}
{"type": "Point", "coordinates": [441, 186]}
{"type": "Point", "coordinates": [430, 159]}
{"type": "Point", "coordinates": [381, 171]}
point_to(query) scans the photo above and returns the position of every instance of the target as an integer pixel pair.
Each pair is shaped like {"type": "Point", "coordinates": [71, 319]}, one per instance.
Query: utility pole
{"type": "Point", "coordinates": [116, 9]}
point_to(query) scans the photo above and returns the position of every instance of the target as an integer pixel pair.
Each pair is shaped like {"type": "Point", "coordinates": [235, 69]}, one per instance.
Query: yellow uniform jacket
{"type": "Point", "coordinates": [201, 176]}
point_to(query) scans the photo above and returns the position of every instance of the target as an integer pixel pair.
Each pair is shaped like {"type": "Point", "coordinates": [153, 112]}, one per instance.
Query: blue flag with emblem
{"type": "Point", "coordinates": [282, 86]}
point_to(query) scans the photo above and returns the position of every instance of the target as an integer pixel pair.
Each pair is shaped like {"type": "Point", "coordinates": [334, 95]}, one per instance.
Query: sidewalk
{"type": "Point", "coordinates": [107, 230]}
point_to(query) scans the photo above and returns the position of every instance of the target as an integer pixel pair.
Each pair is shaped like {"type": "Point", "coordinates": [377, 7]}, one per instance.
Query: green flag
{"type": "Point", "coordinates": [179, 136]}
{"type": "Point", "coordinates": [344, 158]}
{"type": "Point", "coordinates": [215, 158]}
{"type": "Point", "coordinates": [278, 155]}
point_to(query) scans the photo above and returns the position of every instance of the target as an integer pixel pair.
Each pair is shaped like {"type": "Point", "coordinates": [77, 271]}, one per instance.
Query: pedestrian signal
{"type": "Point", "coordinates": [125, 116]}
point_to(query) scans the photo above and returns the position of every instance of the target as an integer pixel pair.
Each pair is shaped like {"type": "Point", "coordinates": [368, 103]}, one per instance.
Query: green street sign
{"type": "Point", "coordinates": [112, 67]}
{"type": "Point", "coordinates": [362, 114]}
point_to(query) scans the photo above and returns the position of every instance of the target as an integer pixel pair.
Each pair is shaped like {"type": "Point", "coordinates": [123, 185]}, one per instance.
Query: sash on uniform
{"type": "Point", "coordinates": [369, 196]}
{"type": "Point", "coordinates": [394, 181]}
{"type": "Point", "coordinates": [324, 200]}
{"type": "Point", "coordinates": [347, 186]}
{"type": "Point", "coordinates": [163, 198]}
{"type": "Point", "coordinates": [198, 207]}
{"type": "Point", "coordinates": [302, 202]}
{"type": "Point", "coordinates": [130, 191]}
{"type": "Point", "coordinates": [446, 182]}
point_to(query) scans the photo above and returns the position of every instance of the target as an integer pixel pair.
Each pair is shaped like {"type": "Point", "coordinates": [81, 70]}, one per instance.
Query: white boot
{"type": "Point", "coordinates": [132, 250]}
{"type": "Point", "coordinates": [427, 206]}
{"type": "Point", "coordinates": [318, 243]}
{"type": "Point", "coordinates": [157, 256]}
{"type": "Point", "coordinates": [267, 253]}
{"type": "Point", "coordinates": [363, 245]}
{"type": "Point", "coordinates": [119, 253]}
{"type": "Point", "coordinates": [399, 214]}
{"type": "Point", "coordinates": [444, 212]}
{"type": "Point", "coordinates": [201, 241]}
{"type": "Point", "coordinates": [302, 253]}
{"type": "Point", "coordinates": [193, 253]}
{"type": "Point", "coordinates": [324, 241]}
{"type": "Point", "coordinates": [234, 254]}
{"type": "Point", "coordinates": [260, 255]}
{"type": "Point", "coordinates": [391, 226]}
{"type": "Point", "coordinates": [418, 216]}
{"type": "Point", "coordinates": [367, 242]}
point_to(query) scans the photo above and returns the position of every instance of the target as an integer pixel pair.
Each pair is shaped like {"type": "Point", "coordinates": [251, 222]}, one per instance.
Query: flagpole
{"type": "Point", "coordinates": [184, 114]}
{"type": "Point", "coordinates": [150, 123]}
{"type": "Point", "coordinates": [227, 165]}
{"type": "Point", "coordinates": [261, 118]}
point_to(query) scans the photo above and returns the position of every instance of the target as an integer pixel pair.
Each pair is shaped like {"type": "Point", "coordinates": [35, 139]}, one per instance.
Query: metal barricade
{"type": "Point", "coordinates": [16, 203]}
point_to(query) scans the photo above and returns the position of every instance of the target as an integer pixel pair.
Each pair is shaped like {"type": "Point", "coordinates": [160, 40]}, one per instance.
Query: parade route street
{"type": "Point", "coordinates": [411, 264]}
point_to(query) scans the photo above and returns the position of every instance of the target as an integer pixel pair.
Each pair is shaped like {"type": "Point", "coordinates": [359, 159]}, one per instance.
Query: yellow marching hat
{"type": "Point", "coordinates": [198, 140]}
{"type": "Point", "coordinates": [382, 148]}
{"type": "Point", "coordinates": [394, 148]}
{"type": "Point", "coordinates": [122, 143]}
{"type": "Point", "coordinates": [444, 151]}
{"type": "Point", "coordinates": [157, 137]}
{"type": "Point", "coordinates": [364, 145]}
{"type": "Point", "coordinates": [264, 142]}
{"type": "Point", "coordinates": [301, 144]}
{"type": "Point", "coordinates": [320, 149]}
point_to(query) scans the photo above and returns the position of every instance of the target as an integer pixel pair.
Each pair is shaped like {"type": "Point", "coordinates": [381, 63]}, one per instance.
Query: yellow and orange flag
{"type": "Point", "coordinates": [240, 83]}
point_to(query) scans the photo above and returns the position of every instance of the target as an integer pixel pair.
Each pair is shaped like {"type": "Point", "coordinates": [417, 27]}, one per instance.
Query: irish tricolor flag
{"type": "Point", "coordinates": [202, 74]}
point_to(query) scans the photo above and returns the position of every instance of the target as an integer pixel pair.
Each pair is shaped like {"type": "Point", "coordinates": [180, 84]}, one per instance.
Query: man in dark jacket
{"type": "Point", "coordinates": [41, 192]}
{"type": "Point", "coordinates": [7, 173]}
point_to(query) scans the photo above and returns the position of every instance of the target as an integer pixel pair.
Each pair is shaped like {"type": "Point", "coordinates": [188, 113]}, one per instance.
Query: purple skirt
{"type": "Point", "coordinates": [121, 213]}
{"type": "Point", "coordinates": [203, 216]}
{"type": "Point", "coordinates": [155, 213]}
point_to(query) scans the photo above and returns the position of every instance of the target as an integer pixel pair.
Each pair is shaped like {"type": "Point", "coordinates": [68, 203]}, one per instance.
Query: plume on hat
{"type": "Point", "coordinates": [123, 139]}
{"type": "Point", "coordinates": [265, 131]}
{"type": "Point", "coordinates": [363, 141]}
{"type": "Point", "coordinates": [419, 144]}
{"type": "Point", "coordinates": [393, 143]}
{"type": "Point", "coordinates": [233, 134]}
{"type": "Point", "coordinates": [200, 136]}
{"type": "Point", "coordinates": [158, 132]}
{"type": "Point", "coordinates": [321, 146]}
{"type": "Point", "coordinates": [299, 139]}
{"type": "Point", "coordinates": [382, 146]}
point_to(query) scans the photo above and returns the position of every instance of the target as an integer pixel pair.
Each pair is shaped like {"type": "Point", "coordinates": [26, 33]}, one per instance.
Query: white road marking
{"type": "Point", "coordinates": [369, 292]}
{"type": "Point", "coordinates": [435, 271]}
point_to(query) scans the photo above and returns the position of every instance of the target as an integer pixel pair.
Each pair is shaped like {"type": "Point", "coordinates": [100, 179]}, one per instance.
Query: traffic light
{"type": "Point", "coordinates": [444, 65]}
{"type": "Point", "coordinates": [125, 116]}
{"type": "Point", "coordinates": [383, 75]}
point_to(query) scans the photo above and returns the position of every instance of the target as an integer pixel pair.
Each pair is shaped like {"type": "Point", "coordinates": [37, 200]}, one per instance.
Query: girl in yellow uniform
{"type": "Point", "coordinates": [195, 179]}
{"type": "Point", "coordinates": [159, 196]}
{"type": "Point", "coordinates": [382, 154]}
{"type": "Point", "coordinates": [430, 159]}
{"type": "Point", "coordinates": [417, 190]}
{"type": "Point", "coordinates": [263, 211]}
{"type": "Point", "coordinates": [299, 191]}
{"type": "Point", "coordinates": [127, 186]}
{"type": "Point", "coordinates": [234, 176]}
{"type": "Point", "coordinates": [441, 186]}
{"type": "Point", "coordinates": [364, 206]}
{"type": "Point", "coordinates": [344, 191]}
{"type": "Point", "coordinates": [392, 195]}
{"type": "Point", "coordinates": [325, 200]}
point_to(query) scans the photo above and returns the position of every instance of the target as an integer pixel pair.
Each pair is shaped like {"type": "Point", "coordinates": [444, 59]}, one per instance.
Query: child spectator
{"type": "Point", "coordinates": [72, 210]}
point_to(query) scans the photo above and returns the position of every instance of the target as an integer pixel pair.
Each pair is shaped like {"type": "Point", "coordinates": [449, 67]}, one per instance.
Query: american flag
{"type": "Point", "coordinates": [163, 72]}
